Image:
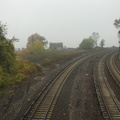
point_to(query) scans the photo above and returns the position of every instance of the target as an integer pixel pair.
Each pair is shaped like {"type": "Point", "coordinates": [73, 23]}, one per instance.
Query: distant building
{"type": "Point", "coordinates": [19, 49]}
{"type": "Point", "coordinates": [56, 46]}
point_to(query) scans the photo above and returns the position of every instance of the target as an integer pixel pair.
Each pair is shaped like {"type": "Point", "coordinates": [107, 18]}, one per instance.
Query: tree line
{"type": "Point", "coordinates": [12, 67]}
{"type": "Point", "coordinates": [36, 43]}
{"type": "Point", "coordinates": [91, 42]}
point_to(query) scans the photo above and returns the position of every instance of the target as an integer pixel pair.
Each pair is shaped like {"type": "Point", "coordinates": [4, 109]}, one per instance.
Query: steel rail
{"type": "Point", "coordinates": [58, 91]}
{"type": "Point", "coordinates": [114, 71]}
{"type": "Point", "coordinates": [43, 111]}
{"type": "Point", "coordinates": [110, 101]}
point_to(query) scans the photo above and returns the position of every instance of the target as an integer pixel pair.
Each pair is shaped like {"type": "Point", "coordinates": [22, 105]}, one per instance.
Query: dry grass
{"type": "Point", "coordinates": [50, 57]}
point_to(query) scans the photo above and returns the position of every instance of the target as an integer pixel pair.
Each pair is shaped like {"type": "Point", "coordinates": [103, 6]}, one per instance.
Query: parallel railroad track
{"type": "Point", "coordinates": [110, 106]}
{"type": "Point", "coordinates": [42, 107]}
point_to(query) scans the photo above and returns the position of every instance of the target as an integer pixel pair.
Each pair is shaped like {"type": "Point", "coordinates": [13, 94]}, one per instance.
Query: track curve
{"type": "Point", "coordinates": [110, 105]}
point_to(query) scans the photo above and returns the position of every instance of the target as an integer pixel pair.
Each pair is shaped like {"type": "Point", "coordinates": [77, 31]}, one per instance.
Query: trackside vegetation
{"type": "Point", "coordinates": [50, 57]}
{"type": "Point", "coordinates": [36, 44]}
{"type": "Point", "coordinates": [12, 68]}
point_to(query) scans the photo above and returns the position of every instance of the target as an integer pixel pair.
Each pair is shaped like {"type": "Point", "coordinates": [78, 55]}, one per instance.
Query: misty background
{"type": "Point", "coordinates": [67, 21]}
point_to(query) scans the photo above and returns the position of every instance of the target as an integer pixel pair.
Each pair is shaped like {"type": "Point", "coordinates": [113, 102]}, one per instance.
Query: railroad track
{"type": "Point", "coordinates": [42, 107]}
{"type": "Point", "coordinates": [109, 104]}
{"type": "Point", "coordinates": [113, 69]}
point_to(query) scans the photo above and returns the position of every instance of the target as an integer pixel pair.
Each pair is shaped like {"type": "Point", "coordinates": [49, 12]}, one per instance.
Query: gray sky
{"type": "Point", "coordinates": [67, 21]}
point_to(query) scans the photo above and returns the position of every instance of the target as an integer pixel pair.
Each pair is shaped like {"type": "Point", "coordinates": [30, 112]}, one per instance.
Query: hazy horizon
{"type": "Point", "coordinates": [67, 21]}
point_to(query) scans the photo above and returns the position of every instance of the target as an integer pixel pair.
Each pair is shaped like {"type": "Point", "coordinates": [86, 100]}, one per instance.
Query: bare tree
{"type": "Point", "coordinates": [117, 25]}
{"type": "Point", "coordinates": [95, 37]}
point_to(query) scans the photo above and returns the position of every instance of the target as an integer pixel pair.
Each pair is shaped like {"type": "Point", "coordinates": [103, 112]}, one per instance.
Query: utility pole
{"type": "Point", "coordinates": [119, 43]}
